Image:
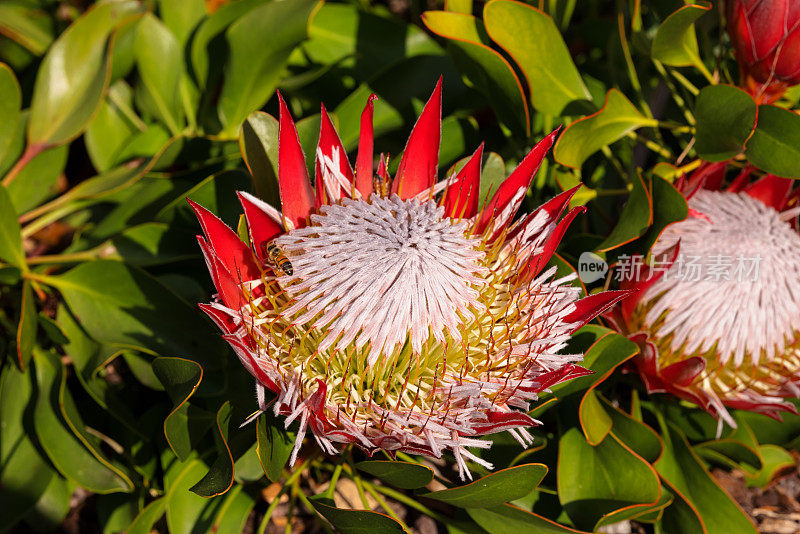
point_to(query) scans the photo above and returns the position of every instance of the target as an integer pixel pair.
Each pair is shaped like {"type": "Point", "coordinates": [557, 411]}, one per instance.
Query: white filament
{"type": "Point", "coordinates": [755, 315]}
{"type": "Point", "coordinates": [376, 272]}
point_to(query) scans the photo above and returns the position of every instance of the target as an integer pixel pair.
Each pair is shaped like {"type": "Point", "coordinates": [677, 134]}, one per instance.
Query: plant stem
{"type": "Point", "coordinates": [274, 504]}
{"type": "Point", "coordinates": [31, 152]}
{"type": "Point", "coordinates": [382, 502]}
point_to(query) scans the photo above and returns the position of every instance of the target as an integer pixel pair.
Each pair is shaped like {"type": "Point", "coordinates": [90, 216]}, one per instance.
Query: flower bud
{"type": "Point", "coordinates": [766, 36]}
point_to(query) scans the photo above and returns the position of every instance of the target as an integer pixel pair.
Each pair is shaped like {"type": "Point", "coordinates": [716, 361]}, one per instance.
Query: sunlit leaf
{"type": "Point", "coordinates": [533, 40]}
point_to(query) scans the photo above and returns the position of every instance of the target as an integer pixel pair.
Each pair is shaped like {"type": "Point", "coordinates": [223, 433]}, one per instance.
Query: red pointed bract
{"type": "Point", "coordinates": [232, 253]}
{"type": "Point", "coordinates": [420, 160]}
{"type": "Point", "coordinates": [521, 178]}
{"type": "Point", "coordinates": [227, 283]}
{"type": "Point", "coordinates": [297, 197]}
{"type": "Point", "coordinates": [365, 150]}
{"type": "Point", "coordinates": [462, 196]}
{"type": "Point", "coordinates": [771, 190]}
{"type": "Point", "coordinates": [590, 307]}
{"type": "Point", "coordinates": [537, 265]}
{"type": "Point", "coordinates": [261, 226]}
{"type": "Point", "coordinates": [330, 142]}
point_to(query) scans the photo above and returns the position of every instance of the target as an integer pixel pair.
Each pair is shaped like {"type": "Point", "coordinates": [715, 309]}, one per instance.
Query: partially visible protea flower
{"type": "Point", "coordinates": [766, 36]}
{"type": "Point", "coordinates": [404, 319]}
{"type": "Point", "coordinates": [717, 314]}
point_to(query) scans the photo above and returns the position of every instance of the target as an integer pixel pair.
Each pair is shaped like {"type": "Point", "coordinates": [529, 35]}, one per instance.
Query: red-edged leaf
{"type": "Point", "coordinates": [297, 197]}
{"type": "Point", "coordinates": [226, 245]}
{"type": "Point", "coordinates": [590, 307]}
{"type": "Point", "coordinates": [771, 190]}
{"type": "Point", "coordinates": [462, 196]}
{"type": "Point", "coordinates": [365, 150]}
{"type": "Point", "coordinates": [420, 160]}
{"type": "Point", "coordinates": [521, 178]}
{"type": "Point", "coordinates": [260, 224]}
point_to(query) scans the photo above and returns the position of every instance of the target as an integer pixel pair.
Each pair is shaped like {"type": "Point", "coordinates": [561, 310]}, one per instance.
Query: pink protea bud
{"type": "Point", "coordinates": [766, 36]}
{"type": "Point", "coordinates": [412, 316]}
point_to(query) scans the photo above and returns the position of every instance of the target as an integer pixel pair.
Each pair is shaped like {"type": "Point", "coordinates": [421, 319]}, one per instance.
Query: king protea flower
{"type": "Point", "coordinates": [725, 334]}
{"type": "Point", "coordinates": [406, 318]}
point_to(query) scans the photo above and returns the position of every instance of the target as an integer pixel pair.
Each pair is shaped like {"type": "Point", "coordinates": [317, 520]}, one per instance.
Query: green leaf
{"type": "Point", "coordinates": [24, 475]}
{"type": "Point", "coordinates": [595, 421]}
{"type": "Point", "coordinates": [111, 128]}
{"type": "Point", "coordinates": [26, 329]}
{"type": "Point", "coordinates": [274, 445]}
{"type": "Point", "coordinates": [494, 489]}
{"type": "Point", "coordinates": [349, 521]}
{"type": "Point", "coordinates": [72, 78]}
{"type": "Point", "coordinates": [187, 512]}
{"type": "Point", "coordinates": [675, 42]}
{"type": "Point", "coordinates": [775, 461]}
{"type": "Point", "coordinates": [508, 519]}
{"type": "Point", "coordinates": [255, 65]}
{"type": "Point", "coordinates": [63, 436]}
{"type": "Point", "coordinates": [586, 136]}
{"type": "Point", "coordinates": [185, 424]}
{"type": "Point", "coordinates": [27, 25]}
{"type": "Point", "coordinates": [533, 40]}
{"type": "Point", "coordinates": [362, 42]}
{"type": "Point", "coordinates": [775, 144]}
{"type": "Point", "coordinates": [726, 117]}
{"type": "Point", "coordinates": [492, 175]}
{"type": "Point", "coordinates": [404, 475]}
{"type": "Point", "coordinates": [124, 306]}
{"type": "Point", "coordinates": [10, 236]}
{"type": "Point", "coordinates": [207, 48]}
{"type": "Point", "coordinates": [729, 452]}
{"type": "Point", "coordinates": [234, 512]}
{"type": "Point", "coordinates": [219, 478]}
{"type": "Point", "coordinates": [153, 244]}
{"type": "Point", "coordinates": [10, 104]}
{"type": "Point", "coordinates": [39, 179]}
{"type": "Point", "coordinates": [638, 436]}
{"type": "Point", "coordinates": [484, 67]}
{"type": "Point", "coordinates": [144, 521]}
{"type": "Point", "coordinates": [52, 507]}
{"type": "Point", "coordinates": [258, 143]}
{"type": "Point", "coordinates": [635, 219]}
{"type": "Point", "coordinates": [683, 469]}
{"type": "Point", "coordinates": [182, 16]}
{"type": "Point", "coordinates": [595, 482]}
{"type": "Point", "coordinates": [159, 59]}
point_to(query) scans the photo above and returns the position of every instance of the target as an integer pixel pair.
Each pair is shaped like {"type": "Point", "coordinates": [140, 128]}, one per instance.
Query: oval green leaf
{"type": "Point", "coordinates": [159, 59]}
{"type": "Point", "coordinates": [484, 67]}
{"type": "Point", "coordinates": [775, 144]}
{"type": "Point", "coordinates": [72, 78]}
{"type": "Point", "coordinates": [726, 116]}
{"type": "Point", "coordinates": [675, 42]}
{"type": "Point", "coordinates": [533, 40]}
{"type": "Point", "coordinates": [10, 104]}
{"type": "Point", "coordinates": [404, 475]}
{"type": "Point", "coordinates": [494, 489]}
{"type": "Point", "coordinates": [586, 136]}
{"type": "Point", "coordinates": [255, 65]}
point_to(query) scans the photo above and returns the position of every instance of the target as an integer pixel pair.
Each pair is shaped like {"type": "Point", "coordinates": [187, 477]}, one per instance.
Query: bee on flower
{"type": "Point", "coordinates": [725, 333]}
{"type": "Point", "coordinates": [409, 318]}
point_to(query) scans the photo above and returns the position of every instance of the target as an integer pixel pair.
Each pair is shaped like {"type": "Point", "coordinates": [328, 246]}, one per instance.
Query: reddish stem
{"type": "Point", "coordinates": [31, 152]}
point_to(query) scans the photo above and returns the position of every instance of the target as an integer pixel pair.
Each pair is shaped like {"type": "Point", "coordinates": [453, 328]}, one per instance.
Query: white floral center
{"type": "Point", "coordinates": [745, 297]}
{"type": "Point", "coordinates": [382, 271]}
